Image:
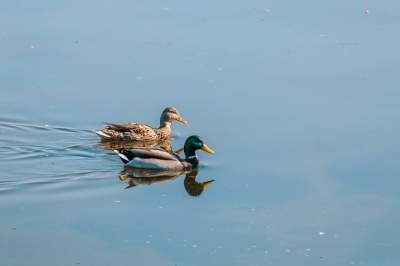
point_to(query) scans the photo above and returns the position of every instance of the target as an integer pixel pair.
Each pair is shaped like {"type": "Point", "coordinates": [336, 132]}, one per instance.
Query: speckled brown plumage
{"type": "Point", "coordinates": [131, 131]}
{"type": "Point", "coordinates": [142, 132]}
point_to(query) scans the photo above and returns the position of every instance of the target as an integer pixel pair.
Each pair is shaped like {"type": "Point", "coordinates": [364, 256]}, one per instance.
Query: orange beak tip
{"type": "Point", "coordinates": [183, 121]}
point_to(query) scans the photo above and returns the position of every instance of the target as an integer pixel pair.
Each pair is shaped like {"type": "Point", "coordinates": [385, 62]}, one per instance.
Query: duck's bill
{"type": "Point", "coordinates": [207, 149]}
{"type": "Point", "coordinates": [183, 121]}
{"type": "Point", "coordinates": [207, 183]}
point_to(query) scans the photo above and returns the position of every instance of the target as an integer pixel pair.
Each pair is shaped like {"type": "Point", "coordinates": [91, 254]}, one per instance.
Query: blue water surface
{"type": "Point", "coordinates": [300, 100]}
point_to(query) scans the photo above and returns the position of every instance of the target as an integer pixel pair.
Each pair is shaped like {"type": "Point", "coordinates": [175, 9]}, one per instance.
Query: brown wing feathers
{"type": "Point", "coordinates": [119, 127]}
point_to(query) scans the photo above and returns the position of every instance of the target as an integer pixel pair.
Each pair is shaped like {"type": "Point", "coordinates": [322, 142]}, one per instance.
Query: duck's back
{"type": "Point", "coordinates": [130, 131]}
{"type": "Point", "coordinates": [153, 154]}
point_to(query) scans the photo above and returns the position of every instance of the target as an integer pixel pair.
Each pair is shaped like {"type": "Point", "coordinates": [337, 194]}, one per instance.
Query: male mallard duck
{"type": "Point", "coordinates": [162, 160]}
{"type": "Point", "coordinates": [142, 132]}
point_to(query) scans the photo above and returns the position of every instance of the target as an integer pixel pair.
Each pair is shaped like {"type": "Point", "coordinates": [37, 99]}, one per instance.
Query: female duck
{"type": "Point", "coordinates": [162, 160]}
{"type": "Point", "coordinates": [142, 132]}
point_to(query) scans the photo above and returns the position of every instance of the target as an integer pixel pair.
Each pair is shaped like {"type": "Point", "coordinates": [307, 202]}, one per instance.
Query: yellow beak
{"type": "Point", "coordinates": [207, 149]}
{"type": "Point", "coordinates": [183, 121]}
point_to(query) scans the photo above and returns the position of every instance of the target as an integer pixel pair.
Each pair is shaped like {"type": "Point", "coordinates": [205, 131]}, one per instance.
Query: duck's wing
{"type": "Point", "coordinates": [137, 128]}
{"type": "Point", "coordinates": [128, 131]}
{"type": "Point", "coordinates": [128, 155]}
{"type": "Point", "coordinates": [153, 154]}
{"type": "Point", "coordinates": [118, 127]}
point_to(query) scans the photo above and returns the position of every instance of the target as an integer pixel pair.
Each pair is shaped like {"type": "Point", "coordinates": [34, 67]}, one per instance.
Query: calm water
{"type": "Point", "coordinates": [300, 101]}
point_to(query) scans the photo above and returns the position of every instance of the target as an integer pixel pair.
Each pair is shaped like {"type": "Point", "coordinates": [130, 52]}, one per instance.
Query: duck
{"type": "Point", "coordinates": [136, 176]}
{"type": "Point", "coordinates": [142, 132]}
{"type": "Point", "coordinates": [155, 159]}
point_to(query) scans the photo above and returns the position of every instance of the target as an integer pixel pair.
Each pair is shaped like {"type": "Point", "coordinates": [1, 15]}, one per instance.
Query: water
{"type": "Point", "coordinates": [299, 100]}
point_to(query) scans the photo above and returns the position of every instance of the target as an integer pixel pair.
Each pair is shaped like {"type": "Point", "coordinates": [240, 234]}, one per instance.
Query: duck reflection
{"type": "Point", "coordinates": [194, 188]}
{"type": "Point", "coordinates": [165, 145]}
{"type": "Point", "coordinates": [135, 176]}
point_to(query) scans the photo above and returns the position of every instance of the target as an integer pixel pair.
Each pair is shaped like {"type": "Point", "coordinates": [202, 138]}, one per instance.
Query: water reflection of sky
{"type": "Point", "coordinates": [299, 100]}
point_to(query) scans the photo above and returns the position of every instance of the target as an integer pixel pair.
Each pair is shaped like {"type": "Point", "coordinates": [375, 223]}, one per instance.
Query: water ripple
{"type": "Point", "coordinates": [45, 127]}
{"type": "Point", "coordinates": [34, 156]}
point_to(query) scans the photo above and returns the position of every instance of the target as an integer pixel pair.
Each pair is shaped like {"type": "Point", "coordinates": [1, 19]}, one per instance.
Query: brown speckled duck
{"type": "Point", "coordinates": [142, 132]}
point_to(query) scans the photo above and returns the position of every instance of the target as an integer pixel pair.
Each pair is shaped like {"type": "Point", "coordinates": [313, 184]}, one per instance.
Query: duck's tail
{"type": "Point", "coordinates": [125, 155]}
{"type": "Point", "coordinates": [101, 134]}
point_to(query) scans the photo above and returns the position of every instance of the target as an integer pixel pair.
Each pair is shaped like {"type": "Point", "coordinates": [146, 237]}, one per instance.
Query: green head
{"type": "Point", "coordinates": [194, 143]}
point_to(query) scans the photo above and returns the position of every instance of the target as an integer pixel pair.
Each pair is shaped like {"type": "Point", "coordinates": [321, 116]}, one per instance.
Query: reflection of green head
{"type": "Point", "coordinates": [194, 188]}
